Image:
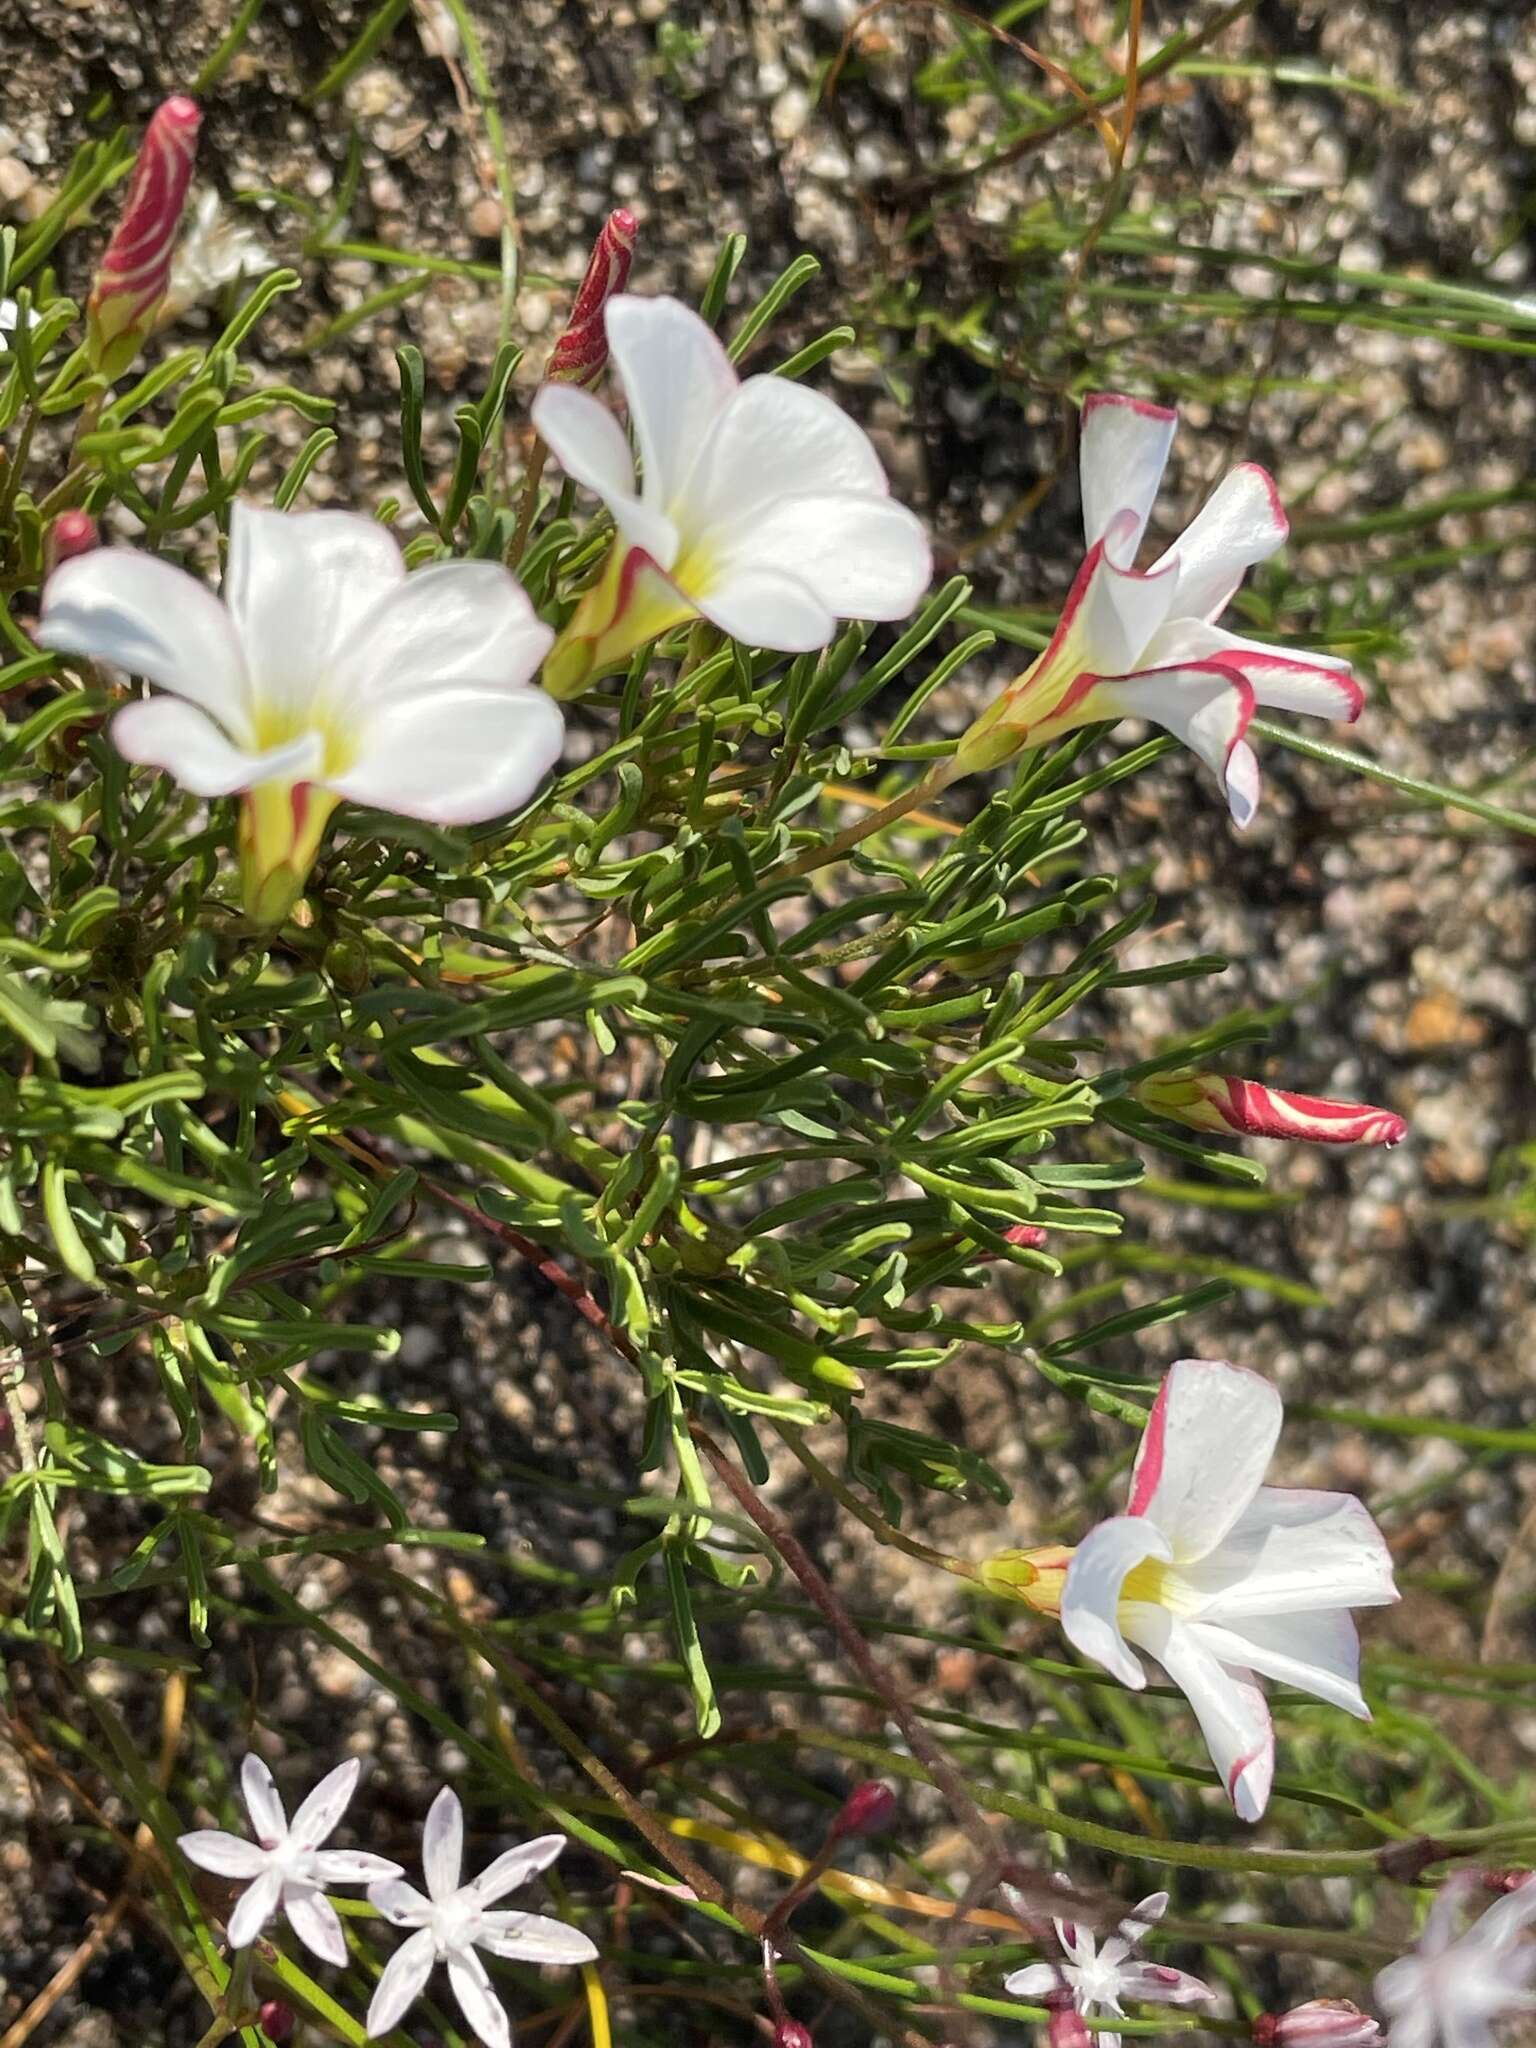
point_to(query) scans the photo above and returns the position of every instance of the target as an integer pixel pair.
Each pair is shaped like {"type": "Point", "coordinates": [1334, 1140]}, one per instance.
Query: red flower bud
{"type": "Point", "coordinates": [790, 2034]}
{"type": "Point", "coordinates": [1066, 2029]}
{"type": "Point", "coordinates": [581, 354]}
{"type": "Point", "coordinates": [72, 533]}
{"type": "Point", "coordinates": [136, 268]}
{"type": "Point", "coordinates": [277, 2021]}
{"type": "Point", "coordinates": [1030, 1235]}
{"type": "Point", "coordinates": [1221, 1102]}
{"type": "Point", "coordinates": [1502, 1881]}
{"type": "Point", "coordinates": [868, 1810]}
{"type": "Point", "coordinates": [1320, 2023]}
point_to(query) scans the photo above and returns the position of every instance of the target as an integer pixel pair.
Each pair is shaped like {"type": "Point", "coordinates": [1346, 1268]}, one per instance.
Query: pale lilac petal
{"type": "Point", "coordinates": [1506, 1918]}
{"type": "Point", "coordinates": [1293, 1549]}
{"type": "Point", "coordinates": [1203, 1456]}
{"type": "Point", "coordinates": [352, 1866]}
{"type": "Point", "coordinates": [442, 1844]}
{"type": "Point", "coordinates": [1090, 1599]}
{"type": "Point", "coordinates": [1228, 1703]}
{"type": "Point", "coordinates": [861, 557]}
{"type": "Point", "coordinates": [225, 1855]}
{"type": "Point", "coordinates": [254, 1908]}
{"type": "Point", "coordinates": [1160, 1985]}
{"type": "Point", "coordinates": [164, 732]}
{"type": "Point", "coordinates": [1136, 1924]}
{"type": "Point", "coordinates": [533, 1938]}
{"type": "Point", "coordinates": [144, 616]}
{"type": "Point", "coordinates": [484, 2011]}
{"type": "Point", "coordinates": [324, 1807]}
{"type": "Point", "coordinates": [315, 1921]}
{"type": "Point", "coordinates": [400, 1903]}
{"type": "Point", "coordinates": [299, 585]}
{"type": "Point", "coordinates": [469, 623]}
{"type": "Point", "coordinates": [404, 1979]}
{"type": "Point", "coordinates": [514, 1867]}
{"type": "Point", "coordinates": [1035, 1980]}
{"type": "Point", "coordinates": [456, 755]}
{"type": "Point", "coordinates": [262, 1801]}
{"type": "Point", "coordinates": [1315, 1653]}
{"type": "Point", "coordinates": [1209, 708]}
{"type": "Point", "coordinates": [1122, 453]}
{"type": "Point", "coordinates": [762, 608]}
{"type": "Point", "coordinates": [590, 446]}
{"type": "Point", "coordinates": [1241, 523]}
{"type": "Point", "coordinates": [678, 381]}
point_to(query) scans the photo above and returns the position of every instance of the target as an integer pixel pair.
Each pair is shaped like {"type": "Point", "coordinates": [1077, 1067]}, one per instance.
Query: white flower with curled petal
{"type": "Point", "coordinates": [324, 672]}
{"type": "Point", "coordinates": [1220, 1577]}
{"type": "Point", "coordinates": [1144, 643]}
{"type": "Point", "coordinates": [285, 1869]}
{"type": "Point", "coordinates": [452, 1921]}
{"type": "Point", "coordinates": [1099, 1978]}
{"type": "Point", "coordinates": [1453, 1986]}
{"type": "Point", "coordinates": [761, 506]}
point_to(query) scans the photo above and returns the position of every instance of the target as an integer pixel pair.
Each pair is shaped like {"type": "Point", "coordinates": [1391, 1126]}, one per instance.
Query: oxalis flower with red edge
{"type": "Point", "coordinates": [1144, 643]}
{"type": "Point", "coordinates": [323, 673]}
{"type": "Point", "coordinates": [1219, 1577]}
{"type": "Point", "coordinates": [761, 506]}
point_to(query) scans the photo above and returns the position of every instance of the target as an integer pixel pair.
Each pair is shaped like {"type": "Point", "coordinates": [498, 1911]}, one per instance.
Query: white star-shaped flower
{"type": "Point", "coordinates": [453, 1921]}
{"type": "Point", "coordinates": [1453, 1986]}
{"type": "Point", "coordinates": [1100, 1978]}
{"type": "Point", "coordinates": [285, 1868]}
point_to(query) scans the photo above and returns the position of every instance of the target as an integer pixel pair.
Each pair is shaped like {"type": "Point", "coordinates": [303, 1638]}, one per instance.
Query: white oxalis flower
{"type": "Point", "coordinates": [285, 1867]}
{"type": "Point", "coordinates": [1099, 1978]}
{"type": "Point", "coordinates": [761, 506]}
{"type": "Point", "coordinates": [215, 249]}
{"type": "Point", "coordinates": [1452, 1987]}
{"type": "Point", "coordinates": [1220, 1577]}
{"type": "Point", "coordinates": [453, 1921]}
{"type": "Point", "coordinates": [1144, 643]}
{"type": "Point", "coordinates": [324, 672]}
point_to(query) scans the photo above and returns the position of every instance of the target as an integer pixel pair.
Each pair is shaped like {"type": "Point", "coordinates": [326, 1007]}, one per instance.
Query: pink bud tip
{"type": "Point", "coordinates": [72, 533]}
{"type": "Point", "coordinates": [277, 2020]}
{"type": "Point", "coordinates": [1320, 2023]}
{"type": "Point", "coordinates": [1502, 1881]}
{"type": "Point", "coordinates": [581, 354]}
{"type": "Point", "coordinates": [868, 1810]}
{"type": "Point", "coordinates": [790, 2034]}
{"type": "Point", "coordinates": [1030, 1235]}
{"type": "Point", "coordinates": [136, 267]}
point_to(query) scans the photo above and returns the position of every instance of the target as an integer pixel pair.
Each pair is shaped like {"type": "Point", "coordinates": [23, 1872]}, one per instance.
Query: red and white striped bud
{"type": "Point", "coordinates": [1221, 1102]}
{"type": "Point", "coordinates": [581, 354]}
{"type": "Point", "coordinates": [136, 268]}
{"type": "Point", "coordinates": [72, 533]}
{"type": "Point", "coordinates": [1320, 2023]}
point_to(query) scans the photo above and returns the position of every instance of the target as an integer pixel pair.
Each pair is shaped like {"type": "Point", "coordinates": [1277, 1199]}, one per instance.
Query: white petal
{"type": "Point", "coordinates": [1121, 608]}
{"type": "Point", "coordinates": [1207, 1445]}
{"type": "Point", "coordinates": [442, 1844]}
{"type": "Point", "coordinates": [322, 1810]}
{"type": "Point", "coordinates": [314, 1920]}
{"type": "Point", "coordinates": [1208, 707]}
{"type": "Point", "coordinates": [1294, 1549]}
{"type": "Point", "coordinates": [404, 1979]}
{"type": "Point", "coordinates": [486, 2014]}
{"type": "Point", "coordinates": [862, 557]}
{"type": "Point", "coordinates": [352, 1866]}
{"type": "Point", "coordinates": [299, 585]}
{"type": "Point", "coordinates": [153, 620]}
{"type": "Point", "coordinates": [1035, 1980]}
{"type": "Point", "coordinates": [678, 381]}
{"type": "Point", "coordinates": [262, 1801]}
{"type": "Point", "coordinates": [225, 1855]}
{"type": "Point", "coordinates": [400, 1903]}
{"type": "Point", "coordinates": [254, 1908]}
{"type": "Point", "coordinates": [780, 439]}
{"type": "Point", "coordinates": [1242, 522]}
{"type": "Point", "coordinates": [1506, 1918]}
{"type": "Point", "coordinates": [1122, 452]}
{"type": "Point", "coordinates": [762, 608]}
{"type": "Point", "coordinates": [457, 756]}
{"type": "Point", "coordinates": [514, 1867]}
{"type": "Point", "coordinates": [1316, 1653]}
{"type": "Point", "coordinates": [1284, 679]}
{"type": "Point", "coordinates": [1228, 1704]}
{"type": "Point", "coordinates": [1090, 1598]}
{"type": "Point", "coordinates": [164, 732]}
{"type": "Point", "coordinates": [1161, 1985]}
{"type": "Point", "coordinates": [468, 623]}
{"type": "Point", "coordinates": [533, 1938]}
{"type": "Point", "coordinates": [589, 444]}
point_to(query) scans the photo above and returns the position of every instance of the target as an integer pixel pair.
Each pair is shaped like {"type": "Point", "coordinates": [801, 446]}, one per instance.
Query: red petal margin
{"type": "Point", "coordinates": [1259, 1112]}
